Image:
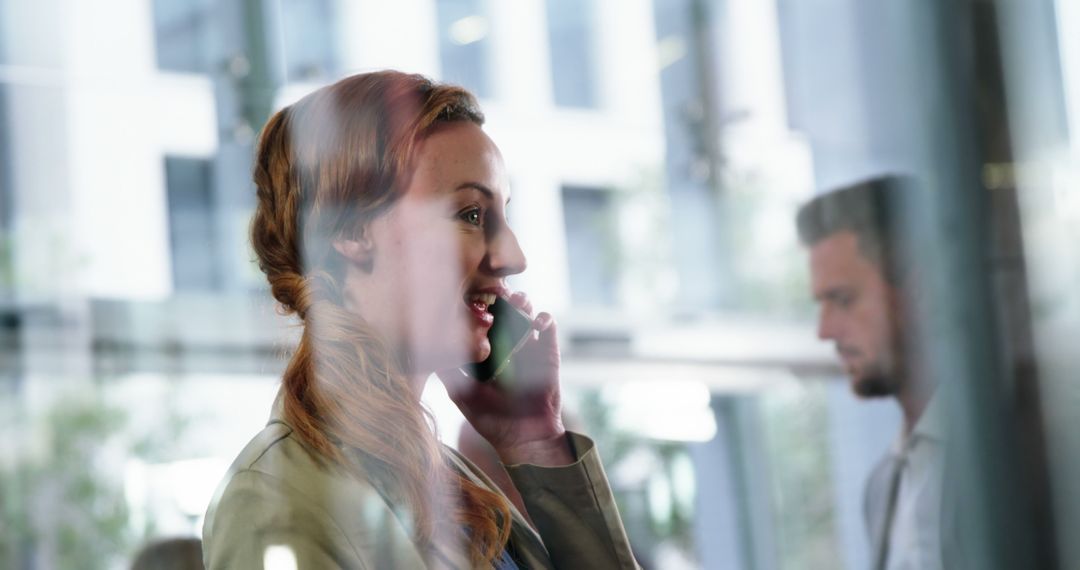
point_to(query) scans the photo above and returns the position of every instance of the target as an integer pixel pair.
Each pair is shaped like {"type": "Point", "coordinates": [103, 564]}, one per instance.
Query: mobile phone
{"type": "Point", "coordinates": [511, 328]}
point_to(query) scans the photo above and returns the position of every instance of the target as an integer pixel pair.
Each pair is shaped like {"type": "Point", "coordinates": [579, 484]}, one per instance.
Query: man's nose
{"type": "Point", "coordinates": [826, 324]}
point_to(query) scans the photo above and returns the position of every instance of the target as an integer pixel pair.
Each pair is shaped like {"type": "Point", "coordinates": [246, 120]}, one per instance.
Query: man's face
{"type": "Point", "coordinates": [858, 312]}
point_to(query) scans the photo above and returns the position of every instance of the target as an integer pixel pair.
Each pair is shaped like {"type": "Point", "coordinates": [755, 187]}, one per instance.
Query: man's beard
{"type": "Point", "coordinates": [876, 373]}
{"type": "Point", "coordinates": [879, 380]}
{"type": "Point", "coordinates": [875, 386]}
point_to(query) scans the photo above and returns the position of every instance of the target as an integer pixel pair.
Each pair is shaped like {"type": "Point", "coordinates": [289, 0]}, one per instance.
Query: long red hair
{"type": "Point", "coordinates": [324, 167]}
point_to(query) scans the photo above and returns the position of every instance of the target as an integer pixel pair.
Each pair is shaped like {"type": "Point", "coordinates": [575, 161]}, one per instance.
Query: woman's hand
{"type": "Point", "coordinates": [519, 413]}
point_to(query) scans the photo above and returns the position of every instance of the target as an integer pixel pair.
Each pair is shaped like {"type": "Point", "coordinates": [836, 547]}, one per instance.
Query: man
{"type": "Point", "coordinates": [861, 280]}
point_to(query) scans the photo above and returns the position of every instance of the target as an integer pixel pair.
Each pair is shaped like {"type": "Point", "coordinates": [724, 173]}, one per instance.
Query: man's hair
{"type": "Point", "coordinates": [872, 210]}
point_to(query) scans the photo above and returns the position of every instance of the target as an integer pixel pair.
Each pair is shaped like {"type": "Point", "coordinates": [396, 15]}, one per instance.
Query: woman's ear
{"type": "Point", "coordinates": [358, 250]}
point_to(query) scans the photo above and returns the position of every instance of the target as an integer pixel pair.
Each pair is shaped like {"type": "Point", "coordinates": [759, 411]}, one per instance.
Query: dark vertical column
{"type": "Point", "coordinates": [10, 318]}
{"type": "Point", "coordinates": [7, 198]}
{"type": "Point", "coordinates": [247, 72]}
{"type": "Point", "coordinates": [693, 156]}
{"type": "Point", "coordinates": [7, 182]}
{"type": "Point", "coordinates": [979, 332]}
{"type": "Point", "coordinates": [1034, 24]}
{"type": "Point", "coordinates": [733, 525]}
{"type": "Point", "coordinates": [1036, 102]}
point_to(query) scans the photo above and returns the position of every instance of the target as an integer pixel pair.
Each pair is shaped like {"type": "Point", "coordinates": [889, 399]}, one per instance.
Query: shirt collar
{"type": "Point", "coordinates": [930, 427]}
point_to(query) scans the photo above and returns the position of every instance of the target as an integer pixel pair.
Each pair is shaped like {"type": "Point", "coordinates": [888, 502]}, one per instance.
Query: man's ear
{"type": "Point", "coordinates": [359, 249]}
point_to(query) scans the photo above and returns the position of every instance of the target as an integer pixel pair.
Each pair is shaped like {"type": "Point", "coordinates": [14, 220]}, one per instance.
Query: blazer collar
{"type": "Point", "coordinates": [449, 549]}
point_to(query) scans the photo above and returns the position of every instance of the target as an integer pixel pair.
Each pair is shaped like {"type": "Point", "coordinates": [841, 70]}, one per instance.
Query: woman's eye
{"type": "Point", "coordinates": [472, 216]}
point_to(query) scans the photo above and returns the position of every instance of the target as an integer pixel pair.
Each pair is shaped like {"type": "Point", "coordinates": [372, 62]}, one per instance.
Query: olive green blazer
{"type": "Point", "coordinates": [278, 492]}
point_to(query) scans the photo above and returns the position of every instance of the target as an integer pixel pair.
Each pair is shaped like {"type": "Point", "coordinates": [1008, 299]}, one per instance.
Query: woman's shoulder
{"type": "Point", "coordinates": [279, 487]}
{"type": "Point", "coordinates": [277, 451]}
{"type": "Point", "coordinates": [278, 462]}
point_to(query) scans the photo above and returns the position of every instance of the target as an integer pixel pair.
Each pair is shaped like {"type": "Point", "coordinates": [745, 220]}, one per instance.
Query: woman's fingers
{"type": "Point", "coordinates": [543, 322]}
{"type": "Point", "coordinates": [538, 366]}
{"type": "Point", "coordinates": [548, 337]}
{"type": "Point", "coordinates": [520, 300]}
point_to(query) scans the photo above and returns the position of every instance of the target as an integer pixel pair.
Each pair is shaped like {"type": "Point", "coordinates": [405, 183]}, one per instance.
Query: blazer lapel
{"type": "Point", "coordinates": [528, 547]}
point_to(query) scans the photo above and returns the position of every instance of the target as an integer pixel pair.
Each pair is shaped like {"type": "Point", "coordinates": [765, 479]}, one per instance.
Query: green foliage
{"type": "Point", "coordinates": [796, 426]}
{"type": "Point", "coordinates": [61, 509]}
{"type": "Point", "coordinates": [766, 280]}
{"type": "Point", "coordinates": [646, 528]}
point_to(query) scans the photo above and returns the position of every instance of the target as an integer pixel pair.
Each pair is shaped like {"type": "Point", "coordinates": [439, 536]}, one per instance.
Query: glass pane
{"type": "Point", "coordinates": [594, 258]}
{"type": "Point", "coordinates": [571, 32]}
{"type": "Point", "coordinates": [812, 267]}
{"type": "Point", "coordinates": [309, 39]}
{"type": "Point", "coordinates": [464, 30]}
{"type": "Point", "coordinates": [192, 231]}
{"type": "Point", "coordinates": [182, 35]}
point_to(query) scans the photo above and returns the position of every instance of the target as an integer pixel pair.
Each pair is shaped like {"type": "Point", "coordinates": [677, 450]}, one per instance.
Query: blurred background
{"type": "Point", "coordinates": [658, 151]}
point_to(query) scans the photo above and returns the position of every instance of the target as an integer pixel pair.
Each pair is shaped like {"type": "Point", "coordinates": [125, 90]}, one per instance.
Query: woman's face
{"type": "Point", "coordinates": [437, 259]}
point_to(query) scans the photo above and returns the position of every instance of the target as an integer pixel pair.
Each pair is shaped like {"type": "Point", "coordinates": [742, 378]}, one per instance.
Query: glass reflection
{"type": "Point", "coordinates": [658, 153]}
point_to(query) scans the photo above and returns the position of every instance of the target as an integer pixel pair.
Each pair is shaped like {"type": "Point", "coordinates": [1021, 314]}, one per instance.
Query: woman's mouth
{"type": "Point", "coordinates": [478, 304]}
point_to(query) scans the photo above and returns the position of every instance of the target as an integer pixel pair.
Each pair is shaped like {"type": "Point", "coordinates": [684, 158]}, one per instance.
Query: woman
{"type": "Point", "coordinates": [381, 222]}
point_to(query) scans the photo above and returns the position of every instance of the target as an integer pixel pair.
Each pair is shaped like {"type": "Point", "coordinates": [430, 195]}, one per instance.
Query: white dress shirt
{"type": "Point", "coordinates": [914, 539]}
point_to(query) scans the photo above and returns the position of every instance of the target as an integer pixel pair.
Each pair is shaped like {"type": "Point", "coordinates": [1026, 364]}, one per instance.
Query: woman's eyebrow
{"type": "Point", "coordinates": [476, 186]}
{"type": "Point", "coordinates": [482, 188]}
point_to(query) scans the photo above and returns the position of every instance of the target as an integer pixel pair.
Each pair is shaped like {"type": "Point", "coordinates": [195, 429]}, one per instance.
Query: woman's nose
{"type": "Point", "coordinates": [504, 254]}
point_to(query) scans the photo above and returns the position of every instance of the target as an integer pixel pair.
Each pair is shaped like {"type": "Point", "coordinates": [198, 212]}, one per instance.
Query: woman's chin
{"type": "Point", "coordinates": [476, 352]}
{"type": "Point", "coordinates": [453, 351]}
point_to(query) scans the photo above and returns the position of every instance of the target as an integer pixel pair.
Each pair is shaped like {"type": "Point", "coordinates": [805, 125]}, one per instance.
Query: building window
{"type": "Point", "coordinates": [193, 235]}
{"type": "Point", "coordinates": [309, 41]}
{"type": "Point", "coordinates": [592, 245]}
{"type": "Point", "coordinates": [570, 36]}
{"type": "Point", "coordinates": [464, 44]}
{"type": "Point", "coordinates": [182, 34]}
